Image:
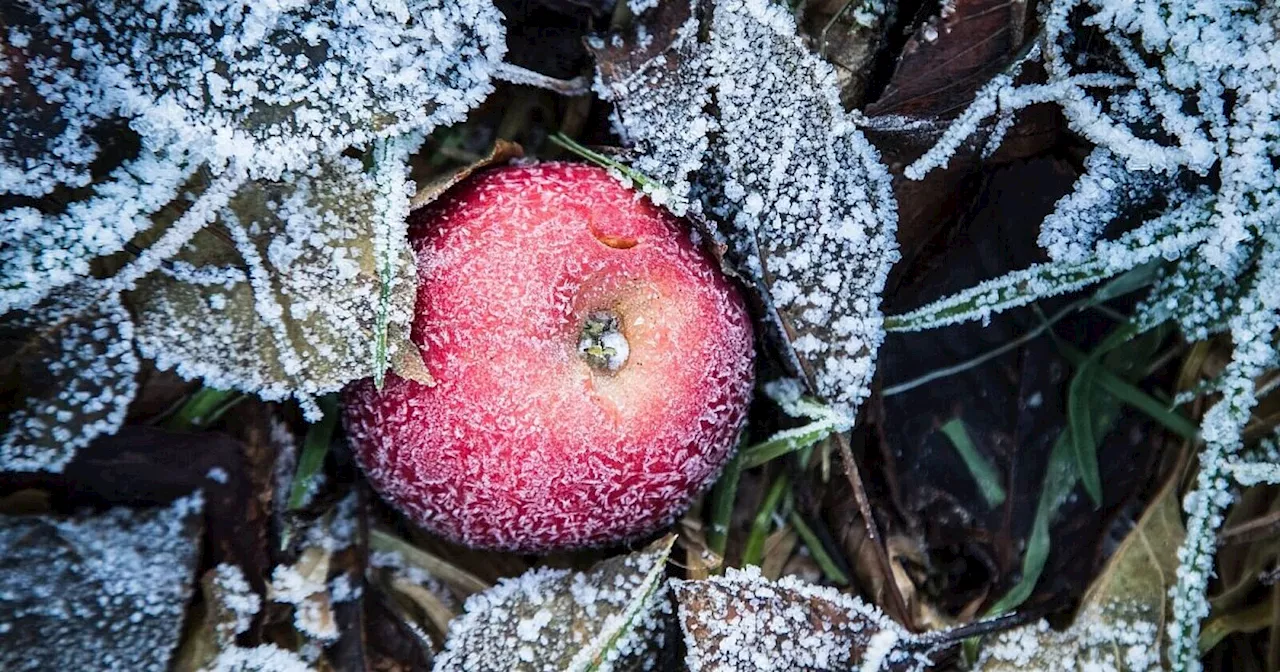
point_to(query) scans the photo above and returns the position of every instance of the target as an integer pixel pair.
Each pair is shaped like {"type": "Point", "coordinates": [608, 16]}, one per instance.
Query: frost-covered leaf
{"type": "Point", "coordinates": [607, 618]}
{"type": "Point", "coordinates": [280, 296]}
{"type": "Point", "coordinates": [80, 369]}
{"type": "Point", "coordinates": [1120, 623]}
{"type": "Point", "coordinates": [46, 112]}
{"type": "Point", "coordinates": [266, 87]}
{"type": "Point", "coordinates": [41, 252]}
{"type": "Point", "coordinates": [96, 592]}
{"type": "Point", "coordinates": [743, 621]}
{"type": "Point", "coordinates": [273, 85]}
{"type": "Point", "coordinates": [745, 124]}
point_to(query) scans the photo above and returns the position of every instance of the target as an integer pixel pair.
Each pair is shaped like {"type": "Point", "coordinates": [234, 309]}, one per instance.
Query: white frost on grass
{"type": "Point", "coordinates": [1172, 92]}
{"type": "Point", "coordinates": [97, 592]}
{"type": "Point", "coordinates": [747, 126]}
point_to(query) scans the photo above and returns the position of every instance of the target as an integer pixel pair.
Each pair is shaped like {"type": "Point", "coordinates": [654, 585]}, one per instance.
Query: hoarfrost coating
{"type": "Point", "coordinates": [609, 617]}
{"type": "Point", "coordinates": [744, 621]}
{"type": "Point", "coordinates": [191, 109]}
{"type": "Point", "coordinates": [259, 87]}
{"type": "Point", "coordinates": [106, 591]}
{"type": "Point", "coordinates": [747, 126]}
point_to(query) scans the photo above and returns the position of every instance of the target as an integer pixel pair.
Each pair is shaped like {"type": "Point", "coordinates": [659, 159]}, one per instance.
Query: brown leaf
{"type": "Point", "coordinates": [78, 374]}
{"type": "Point", "coordinates": [1120, 623]}
{"type": "Point", "coordinates": [104, 591]}
{"type": "Point", "coordinates": [742, 621]}
{"type": "Point", "coordinates": [280, 297]}
{"type": "Point", "coordinates": [146, 466]}
{"type": "Point", "coordinates": [502, 152]}
{"type": "Point", "coordinates": [950, 56]}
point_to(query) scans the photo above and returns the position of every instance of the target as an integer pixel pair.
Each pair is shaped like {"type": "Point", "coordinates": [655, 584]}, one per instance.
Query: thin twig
{"type": "Point", "coordinates": [514, 74]}
{"type": "Point", "coordinates": [896, 604]}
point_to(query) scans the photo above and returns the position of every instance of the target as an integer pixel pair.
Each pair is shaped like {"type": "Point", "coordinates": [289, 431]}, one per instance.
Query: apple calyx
{"type": "Point", "coordinates": [601, 343]}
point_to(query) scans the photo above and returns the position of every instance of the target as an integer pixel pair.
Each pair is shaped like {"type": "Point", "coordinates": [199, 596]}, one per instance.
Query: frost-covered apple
{"type": "Point", "coordinates": [592, 366]}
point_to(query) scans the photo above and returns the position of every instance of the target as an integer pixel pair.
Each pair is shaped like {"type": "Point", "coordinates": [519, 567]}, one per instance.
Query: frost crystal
{"type": "Point", "coordinates": [555, 620]}
{"type": "Point", "coordinates": [80, 386]}
{"type": "Point", "coordinates": [101, 592]}
{"type": "Point", "coordinates": [237, 598]}
{"type": "Point", "coordinates": [742, 621]}
{"type": "Point", "coordinates": [234, 604]}
{"type": "Point", "coordinates": [747, 126]}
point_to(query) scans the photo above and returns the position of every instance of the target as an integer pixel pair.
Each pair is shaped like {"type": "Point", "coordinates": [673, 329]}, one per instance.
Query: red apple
{"type": "Point", "coordinates": [592, 366]}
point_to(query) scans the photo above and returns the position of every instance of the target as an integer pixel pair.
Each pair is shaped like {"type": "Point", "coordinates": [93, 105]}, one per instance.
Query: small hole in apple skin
{"type": "Point", "coordinates": [616, 242]}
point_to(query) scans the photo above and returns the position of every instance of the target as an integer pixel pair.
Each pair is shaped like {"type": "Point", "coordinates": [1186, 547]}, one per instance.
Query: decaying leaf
{"type": "Point", "coordinates": [230, 604]}
{"type": "Point", "coordinates": [79, 370]}
{"type": "Point", "coordinates": [280, 296]}
{"type": "Point", "coordinates": [607, 618]}
{"type": "Point", "coordinates": [96, 592]}
{"type": "Point", "coordinates": [742, 621]}
{"type": "Point", "coordinates": [1120, 624]}
{"type": "Point", "coordinates": [745, 124]}
{"type": "Point", "coordinates": [503, 151]}
{"type": "Point", "coordinates": [306, 584]}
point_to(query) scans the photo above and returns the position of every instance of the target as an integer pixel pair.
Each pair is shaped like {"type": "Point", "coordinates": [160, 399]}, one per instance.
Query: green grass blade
{"type": "Point", "coordinates": [1080, 419]}
{"type": "Point", "coordinates": [314, 447]}
{"type": "Point", "coordinates": [203, 408]}
{"type": "Point", "coordinates": [753, 553]}
{"type": "Point", "coordinates": [722, 499]}
{"type": "Point", "coordinates": [985, 475]}
{"type": "Point", "coordinates": [817, 551]}
{"type": "Point", "coordinates": [1131, 395]}
{"type": "Point", "coordinates": [1060, 478]}
{"type": "Point", "coordinates": [786, 441]}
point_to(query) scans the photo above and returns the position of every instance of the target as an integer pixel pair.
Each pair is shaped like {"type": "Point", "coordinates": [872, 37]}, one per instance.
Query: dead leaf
{"type": "Point", "coordinates": [734, 117]}
{"type": "Point", "coordinates": [502, 152]}
{"type": "Point", "coordinates": [742, 621]}
{"type": "Point", "coordinates": [105, 591]}
{"type": "Point", "coordinates": [78, 372]}
{"type": "Point", "coordinates": [280, 296]}
{"type": "Point", "coordinates": [950, 56]}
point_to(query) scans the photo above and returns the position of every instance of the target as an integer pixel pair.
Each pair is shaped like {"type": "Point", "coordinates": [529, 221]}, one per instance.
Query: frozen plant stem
{"type": "Point", "coordinates": [514, 74]}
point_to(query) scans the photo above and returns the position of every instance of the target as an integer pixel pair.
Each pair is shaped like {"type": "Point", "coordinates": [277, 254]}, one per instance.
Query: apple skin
{"type": "Point", "coordinates": [524, 443]}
